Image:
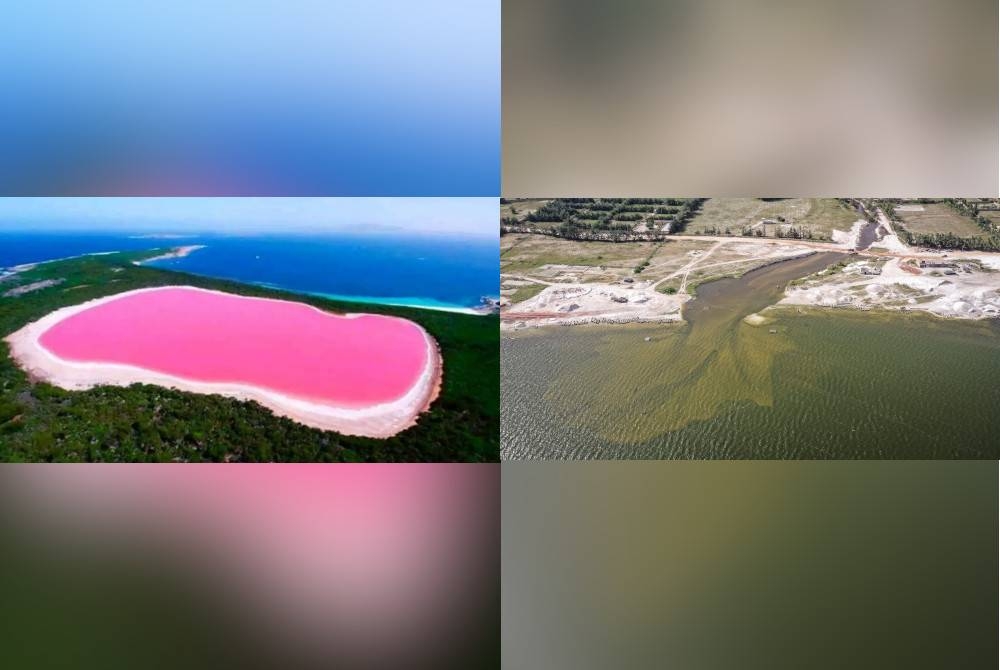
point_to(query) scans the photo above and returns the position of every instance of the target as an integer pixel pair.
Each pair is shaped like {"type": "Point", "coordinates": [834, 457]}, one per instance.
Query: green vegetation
{"type": "Point", "coordinates": [571, 253]}
{"type": "Point", "coordinates": [797, 218]}
{"type": "Point", "coordinates": [836, 268]}
{"type": "Point", "coordinates": [526, 292]}
{"type": "Point", "coordinates": [610, 219]}
{"type": "Point", "coordinates": [945, 224]}
{"type": "Point", "coordinates": [648, 259]}
{"type": "Point", "coordinates": [40, 422]}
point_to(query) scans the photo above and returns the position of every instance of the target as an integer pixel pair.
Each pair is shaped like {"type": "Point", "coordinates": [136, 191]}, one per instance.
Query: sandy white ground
{"type": "Point", "coordinates": [29, 288]}
{"type": "Point", "coordinates": [382, 420]}
{"type": "Point", "coordinates": [849, 239]}
{"type": "Point", "coordinates": [571, 303]}
{"type": "Point", "coordinates": [972, 292]}
{"type": "Point", "coordinates": [969, 293]}
{"type": "Point", "coordinates": [574, 304]}
{"type": "Point", "coordinates": [886, 237]}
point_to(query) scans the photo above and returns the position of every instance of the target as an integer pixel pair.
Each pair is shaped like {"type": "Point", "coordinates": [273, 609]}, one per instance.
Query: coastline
{"type": "Point", "coordinates": [378, 421]}
{"type": "Point", "coordinates": [415, 303]}
{"type": "Point", "coordinates": [176, 252]}
{"type": "Point", "coordinates": [950, 284]}
{"type": "Point", "coordinates": [488, 304]}
{"type": "Point", "coordinates": [24, 267]}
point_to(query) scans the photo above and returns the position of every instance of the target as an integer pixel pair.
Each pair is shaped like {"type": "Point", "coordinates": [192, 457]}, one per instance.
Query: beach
{"type": "Point", "coordinates": [177, 252]}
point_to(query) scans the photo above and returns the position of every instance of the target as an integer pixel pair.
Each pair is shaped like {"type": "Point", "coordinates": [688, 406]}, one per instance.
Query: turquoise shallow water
{"type": "Point", "coordinates": [410, 301]}
{"type": "Point", "coordinates": [434, 271]}
{"type": "Point", "coordinates": [428, 271]}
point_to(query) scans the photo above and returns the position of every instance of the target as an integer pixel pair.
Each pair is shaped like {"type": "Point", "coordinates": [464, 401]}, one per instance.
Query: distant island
{"type": "Point", "coordinates": [148, 422]}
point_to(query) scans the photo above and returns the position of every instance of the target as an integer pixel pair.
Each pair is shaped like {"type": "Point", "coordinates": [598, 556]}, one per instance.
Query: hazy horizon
{"type": "Point", "coordinates": [475, 217]}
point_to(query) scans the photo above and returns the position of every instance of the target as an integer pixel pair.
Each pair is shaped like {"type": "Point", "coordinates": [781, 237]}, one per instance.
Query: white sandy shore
{"type": "Point", "coordinates": [178, 252]}
{"type": "Point", "coordinates": [379, 421]}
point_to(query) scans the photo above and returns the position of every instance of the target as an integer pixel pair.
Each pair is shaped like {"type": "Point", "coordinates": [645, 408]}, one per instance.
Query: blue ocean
{"type": "Point", "coordinates": [427, 271]}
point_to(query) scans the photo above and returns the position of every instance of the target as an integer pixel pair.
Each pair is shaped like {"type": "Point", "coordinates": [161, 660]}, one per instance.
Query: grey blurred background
{"type": "Point", "coordinates": [750, 98]}
{"type": "Point", "coordinates": [756, 564]}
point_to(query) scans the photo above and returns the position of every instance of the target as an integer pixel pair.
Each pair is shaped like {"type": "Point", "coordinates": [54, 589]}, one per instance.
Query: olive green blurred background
{"type": "Point", "coordinates": [741, 565]}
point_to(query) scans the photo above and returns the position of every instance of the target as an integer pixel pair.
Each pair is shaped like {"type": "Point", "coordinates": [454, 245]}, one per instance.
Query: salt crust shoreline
{"type": "Point", "coordinates": [379, 421]}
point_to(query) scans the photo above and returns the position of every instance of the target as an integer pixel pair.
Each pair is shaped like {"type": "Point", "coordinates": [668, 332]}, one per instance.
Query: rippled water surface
{"type": "Point", "coordinates": [807, 384]}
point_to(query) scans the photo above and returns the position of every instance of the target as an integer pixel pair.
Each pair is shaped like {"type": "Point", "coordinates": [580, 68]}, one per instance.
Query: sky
{"type": "Point", "coordinates": [256, 97]}
{"type": "Point", "coordinates": [464, 216]}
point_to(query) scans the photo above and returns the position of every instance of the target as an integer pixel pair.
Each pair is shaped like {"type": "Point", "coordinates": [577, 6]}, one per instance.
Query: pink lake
{"type": "Point", "coordinates": [286, 347]}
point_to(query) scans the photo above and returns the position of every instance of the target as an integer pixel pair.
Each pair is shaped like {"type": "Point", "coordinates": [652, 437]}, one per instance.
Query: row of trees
{"type": "Point", "coordinates": [988, 242]}
{"type": "Point", "coordinates": [971, 210]}
{"type": "Point", "coordinates": [951, 241]}
{"type": "Point", "coordinates": [617, 218]}
{"type": "Point", "coordinates": [794, 232]}
{"type": "Point", "coordinates": [564, 209]}
{"type": "Point", "coordinates": [685, 214]}
{"type": "Point", "coordinates": [790, 232]}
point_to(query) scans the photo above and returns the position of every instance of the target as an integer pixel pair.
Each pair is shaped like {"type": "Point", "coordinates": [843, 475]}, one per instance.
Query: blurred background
{"type": "Point", "coordinates": [218, 97]}
{"type": "Point", "coordinates": [737, 98]}
{"type": "Point", "coordinates": [750, 564]}
{"type": "Point", "coordinates": [274, 566]}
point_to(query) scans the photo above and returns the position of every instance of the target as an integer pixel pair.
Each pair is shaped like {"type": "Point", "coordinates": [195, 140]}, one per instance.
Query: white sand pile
{"type": "Point", "coordinates": [887, 237]}
{"type": "Point", "coordinates": [849, 239]}
{"type": "Point", "coordinates": [574, 304]}
{"type": "Point", "coordinates": [964, 295]}
{"type": "Point", "coordinates": [891, 243]}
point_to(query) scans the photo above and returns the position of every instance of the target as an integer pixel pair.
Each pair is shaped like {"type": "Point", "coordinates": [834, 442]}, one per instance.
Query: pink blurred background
{"type": "Point", "coordinates": [251, 566]}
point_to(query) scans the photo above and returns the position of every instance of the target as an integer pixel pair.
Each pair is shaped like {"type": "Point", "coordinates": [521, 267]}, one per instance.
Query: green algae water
{"type": "Point", "coordinates": [804, 384]}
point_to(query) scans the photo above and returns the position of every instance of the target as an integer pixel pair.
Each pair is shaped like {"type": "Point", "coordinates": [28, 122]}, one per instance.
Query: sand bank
{"type": "Point", "coordinates": [367, 418]}
{"type": "Point", "coordinates": [179, 252]}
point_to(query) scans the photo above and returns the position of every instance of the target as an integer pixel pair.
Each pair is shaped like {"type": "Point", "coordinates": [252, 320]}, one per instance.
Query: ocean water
{"type": "Point", "coordinates": [436, 271]}
{"type": "Point", "coordinates": [17, 248]}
